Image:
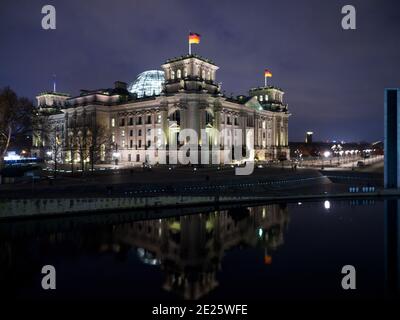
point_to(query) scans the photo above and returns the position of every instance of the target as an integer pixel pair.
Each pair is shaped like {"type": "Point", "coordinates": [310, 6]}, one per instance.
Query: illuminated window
{"type": "Point", "coordinates": [203, 74]}
{"type": "Point", "coordinates": [185, 73]}
{"type": "Point", "coordinates": [172, 74]}
{"type": "Point", "coordinates": [113, 138]}
{"type": "Point", "coordinates": [179, 74]}
{"type": "Point", "coordinates": [122, 133]}
{"type": "Point", "coordinates": [113, 122]}
{"type": "Point", "coordinates": [266, 97]}
{"type": "Point", "coordinates": [261, 98]}
{"type": "Point", "coordinates": [159, 118]}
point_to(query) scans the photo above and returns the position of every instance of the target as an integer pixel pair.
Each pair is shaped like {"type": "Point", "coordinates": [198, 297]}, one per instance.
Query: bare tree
{"type": "Point", "coordinates": [47, 135]}
{"type": "Point", "coordinates": [15, 118]}
{"type": "Point", "coordinates": [90, 143]}
{"type": "Point", "coordinates": [99, 143]}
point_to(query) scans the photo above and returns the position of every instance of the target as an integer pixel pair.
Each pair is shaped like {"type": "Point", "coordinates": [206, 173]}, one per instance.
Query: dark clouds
{"type": "Point", "coordinates": [334, 79]}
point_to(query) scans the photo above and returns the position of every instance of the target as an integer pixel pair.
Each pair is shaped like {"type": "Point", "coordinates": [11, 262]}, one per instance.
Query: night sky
{"type": "Point", "coordinates": [333, 79]}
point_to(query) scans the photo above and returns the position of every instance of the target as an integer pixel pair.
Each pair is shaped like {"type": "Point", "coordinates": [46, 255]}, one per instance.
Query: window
{"type": "Point", "coordinates": [131, 121]}
{"type": "Point", "coordinates": [236, 121]}
{"type": "Point", "coordinates": [228, 120]}
{"type": "Point", "coordinates": [179, 74]}
{"type": "Point", "coordinates": [139, 120]}
{"type": "Point", "coordinates": [122, 133]}
{"type": "Point", "coordinates": [185, 72]}
{"type": "Point", "coordinates": [138, 158]}
{"type": "Point", "coordinates": [148, 143]}
{"type": "Point", "coordinates": [131, 133]}
{"type": "Point", "coordinates": [209, 118]}
{"type": "Point", "coordinates": [139, 133]}
{"type": "Point", "coordinates": [113, 138]}
{"type": "Point", "coordinates": [261, 98]}
{"type": "Point", "coordinates": [123, 143]}
{"type": "Point", "coordinates": [176, 116]}
{"type": "Point", "coordinates": [148, 120]}
{"type": "Point", "coordinates": [203, 74]}
{"type": "Point", "coordinates": [113, 122]}
{"type": "Point", "coordinates": [140, 143]}
{"type": "Point", "coordinates": [172, 74]}
{"type": "Point", "coordinates": [159, 118]}
{"type": "Point", "coordinates": [131, 144]}
{"type": "Point", "coordinates": [266, 97]}
{"type": "Point", "coordinates": [129, 157]}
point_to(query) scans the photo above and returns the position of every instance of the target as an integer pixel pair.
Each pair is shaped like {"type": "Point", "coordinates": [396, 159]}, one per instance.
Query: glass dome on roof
{"type": "Point", "coordinates": [147, 83]}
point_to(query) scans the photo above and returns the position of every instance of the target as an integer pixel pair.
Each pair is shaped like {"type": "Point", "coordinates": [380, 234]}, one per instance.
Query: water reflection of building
{"type": "Point", "coordinates": [190, 249]}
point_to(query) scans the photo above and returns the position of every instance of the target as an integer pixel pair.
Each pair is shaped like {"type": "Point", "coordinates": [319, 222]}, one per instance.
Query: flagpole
{"type": "Point", "coordinates": [190, 48]}
{"type": "Point", "coordinates": [265, 81]}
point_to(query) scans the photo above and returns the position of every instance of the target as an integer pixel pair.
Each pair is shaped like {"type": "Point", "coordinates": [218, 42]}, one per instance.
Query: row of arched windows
{"type": "Point", "coordinates": [204, 75]}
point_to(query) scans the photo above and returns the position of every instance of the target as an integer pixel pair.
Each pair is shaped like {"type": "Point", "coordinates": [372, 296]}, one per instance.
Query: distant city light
{"type": "Point", "coordinates": [327, 154]}
{"type": "Point", "coordinates": [327, 204]}
{"type": "Point", "coordinates": [11, 156]}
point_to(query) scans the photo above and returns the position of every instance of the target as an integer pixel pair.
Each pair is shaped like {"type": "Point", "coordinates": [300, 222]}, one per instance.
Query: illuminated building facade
{"type": "Point", "coordinates": [190, 98]}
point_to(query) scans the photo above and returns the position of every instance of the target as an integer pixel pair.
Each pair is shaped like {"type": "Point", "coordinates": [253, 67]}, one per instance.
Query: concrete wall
{"type": "Point", "coordinates": [32, 207]}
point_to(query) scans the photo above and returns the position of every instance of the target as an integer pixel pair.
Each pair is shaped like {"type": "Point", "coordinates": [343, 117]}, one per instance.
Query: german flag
{"type": "Point", "coordinates": [267, 73]}
{"type": "Point", "coordinates": [194, 38]}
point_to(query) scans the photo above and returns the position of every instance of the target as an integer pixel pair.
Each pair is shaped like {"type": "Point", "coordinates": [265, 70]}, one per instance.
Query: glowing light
{"type": "Point", "coordinates": [327, 154]}
{"type": "Point", "coordinates": [327, 204]}
{"type": "Point", "coordinates": [148, 83]}
{"type": "Point", "coordinates": [12, 156]}
{"type": "Point", "coordinates": [260, 233]}
{"type": "Point", "coordinates": [267, 259]}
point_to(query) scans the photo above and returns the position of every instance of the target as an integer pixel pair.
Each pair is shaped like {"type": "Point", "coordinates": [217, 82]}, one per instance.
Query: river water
{"type": "Point", "coordinates": [264, 252]}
